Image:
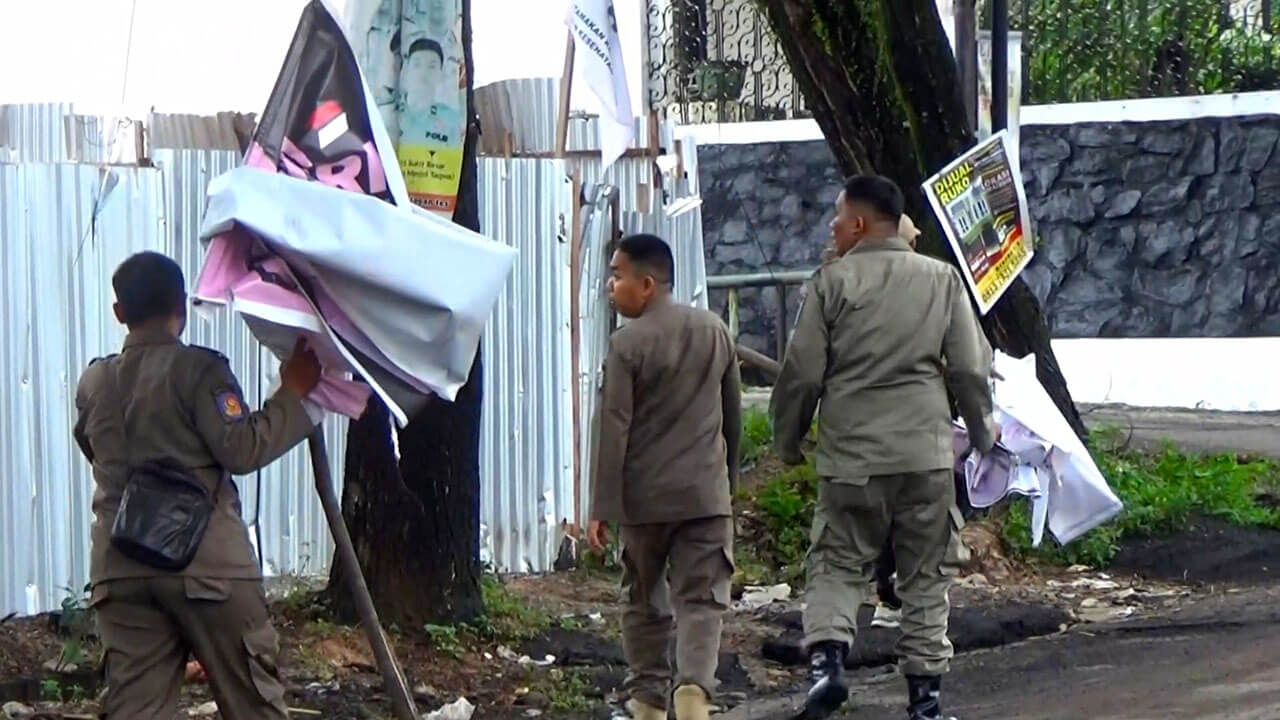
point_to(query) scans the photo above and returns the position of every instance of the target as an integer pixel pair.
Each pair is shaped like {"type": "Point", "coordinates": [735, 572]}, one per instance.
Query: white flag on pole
{"type": "Point", "coordinates": [595, 32]}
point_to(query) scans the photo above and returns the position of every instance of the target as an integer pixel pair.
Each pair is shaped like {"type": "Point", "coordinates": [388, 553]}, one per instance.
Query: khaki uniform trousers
{"type": "Point", "coordinates": [149, 625]}
{"type": "Point", "coordinates": [682, 569]}
{"type": "Point", "coordinates": [851, 524]}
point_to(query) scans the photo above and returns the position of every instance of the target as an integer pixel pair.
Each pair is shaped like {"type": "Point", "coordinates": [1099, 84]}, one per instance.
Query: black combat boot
{"type": "Point", "coordinates": [924, 691]}
{"type": "Point", "coordinates": [826, 668]}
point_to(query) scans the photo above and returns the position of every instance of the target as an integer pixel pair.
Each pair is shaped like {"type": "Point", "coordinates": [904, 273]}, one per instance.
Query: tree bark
{"type": "Point", "coordinates": [882, 83]}
{"type": "Point", "coordinates": [416, 523]}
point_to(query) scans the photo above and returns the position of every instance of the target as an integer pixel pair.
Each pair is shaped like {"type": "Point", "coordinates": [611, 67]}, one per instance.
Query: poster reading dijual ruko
{"type": "Point", "coordinates": [982, 207]}
{"type": "Point", "coordinates": [411, 53]}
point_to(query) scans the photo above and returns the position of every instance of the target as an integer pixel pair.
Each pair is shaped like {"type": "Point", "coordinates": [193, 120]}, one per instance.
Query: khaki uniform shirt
{"type": "Point", "coordinates": [669, 412]}
{"type": "Point", "coordinates": [179, 403]}
{"type": "Point", "coordinates": [879, 330]}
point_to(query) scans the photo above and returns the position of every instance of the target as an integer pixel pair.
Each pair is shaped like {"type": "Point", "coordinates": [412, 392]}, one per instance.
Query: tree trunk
{"type": "Point", "coordinates": [416, 524]}
{"type": "Point", "coordinates": [880, 79]}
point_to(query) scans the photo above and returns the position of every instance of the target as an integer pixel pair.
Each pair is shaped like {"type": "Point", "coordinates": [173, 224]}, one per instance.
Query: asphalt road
{"type": "Point", "coordinates": [1252, 433]}
{"type": "Point", "coordinates": [1219, 658]}
{"type": "Point", "coordinates": [1195, 430]}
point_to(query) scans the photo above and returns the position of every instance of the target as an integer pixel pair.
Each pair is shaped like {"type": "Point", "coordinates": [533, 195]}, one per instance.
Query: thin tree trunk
{"type": "Point", "coordinates": [882, 83]}
{"type": "Point", "coordinates": [416, 523]}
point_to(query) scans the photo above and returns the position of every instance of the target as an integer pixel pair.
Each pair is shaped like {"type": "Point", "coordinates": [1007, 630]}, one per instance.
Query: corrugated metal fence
{"type": "Point", "coordinates": [526, 440]}
{"type": "Point", "coordinates": [63, 229]}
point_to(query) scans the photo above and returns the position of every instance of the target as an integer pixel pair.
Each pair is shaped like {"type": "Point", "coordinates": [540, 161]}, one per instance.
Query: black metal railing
{"type": "Point", "coordinates": [717, 61]}
{"type": "Point", "coordinates": [781, 281]}
{"type": "Point", "coordinates": [1086, 50]}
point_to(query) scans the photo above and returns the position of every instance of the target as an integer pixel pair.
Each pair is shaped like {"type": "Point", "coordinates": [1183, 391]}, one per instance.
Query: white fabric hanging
{"type": "Point", "coordinates": [1039, 457]}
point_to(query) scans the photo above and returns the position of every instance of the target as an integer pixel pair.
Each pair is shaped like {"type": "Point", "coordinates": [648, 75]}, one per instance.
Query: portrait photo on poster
{"type": "Point", "coordinates": [411, 53]}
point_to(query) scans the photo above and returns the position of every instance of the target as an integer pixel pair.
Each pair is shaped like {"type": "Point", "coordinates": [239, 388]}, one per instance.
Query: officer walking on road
{"type": "Point", "coordinates": [164, 425]}
{"type": "Point", "coordinates": [667, 461]}
{"type": "Point", "coordinates": [877, 328]}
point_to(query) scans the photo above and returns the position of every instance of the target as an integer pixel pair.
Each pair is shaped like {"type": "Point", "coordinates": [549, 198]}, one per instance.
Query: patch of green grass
{"type": "Point", "coordinates": [1162, 491]}
{"type": "Point", "coordinates": [781, 511]}
{"type": "Point", "coordinates": [757, 436]}
{"type": "Point", "coordinates": [567, 691]}
{"type": "Point", "coordinates": [76, 624]}
{"type": "Point", "coordinates": [749, 568]}
{"type": "Point", "coordinates": [51, 690]}
{"type": "Point", "coordinates": [507, 616]}
{"type": "Point", "coordinates": [784, 504]}
{"type": "Point", "coordinates": [445, 639]}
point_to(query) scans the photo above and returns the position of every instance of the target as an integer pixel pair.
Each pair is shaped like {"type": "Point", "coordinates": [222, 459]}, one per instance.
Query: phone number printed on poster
{"type": "Point", "coordinates": [982, 207]}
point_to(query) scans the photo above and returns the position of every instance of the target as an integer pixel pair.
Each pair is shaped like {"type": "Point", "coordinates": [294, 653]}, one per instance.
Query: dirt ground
{"type": "Point", "coordinates": [330, 671]}
{"type": "Point", "coordinates": [1200, 605]}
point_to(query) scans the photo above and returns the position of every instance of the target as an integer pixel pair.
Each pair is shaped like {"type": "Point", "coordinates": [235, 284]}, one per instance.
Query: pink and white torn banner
{"type": "Point", "coordinates": [316, 237]}
{"type": "Point", "coordinates": [393, 296]}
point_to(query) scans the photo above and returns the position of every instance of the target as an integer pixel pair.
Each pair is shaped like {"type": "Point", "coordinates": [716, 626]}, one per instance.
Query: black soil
{"type": "Point", "coordinates": [607, 664]}
{"type": "Point", "coordinates": [1210, 551]}
{"type": "Point", "coordinates": [970, 629]}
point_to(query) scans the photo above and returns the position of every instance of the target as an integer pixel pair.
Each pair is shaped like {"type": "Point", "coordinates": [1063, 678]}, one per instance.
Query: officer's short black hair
{"type": "Point", "coordinates": [426, 45]}
{"type": "Point", "coordinates": [650, 254]}
{"type": "Point", "coordinates": [148, 286]}
{"type": "Point", "coordinates": [880, 193]}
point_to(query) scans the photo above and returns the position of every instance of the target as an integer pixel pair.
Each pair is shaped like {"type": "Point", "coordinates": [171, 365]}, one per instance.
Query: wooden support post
{"type": "Point", "coordinates": [575, 337]}
{"type": "Point", "coordinates": [733, 313]}
{"type": "Point", "coordinates": [760, 361]}
{"type": "Point", "coordinates": [615, 234]}
{"type": "Point", "coordinates": [782, 322]}
{"type": "Point", "coordinates": [392, 679]}
{"type": "Point", "coordinates": [566, 90]}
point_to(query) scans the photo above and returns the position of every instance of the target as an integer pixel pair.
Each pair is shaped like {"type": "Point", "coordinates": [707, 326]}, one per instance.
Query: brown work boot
{"type": "Point", "coordinates": [643, 711]}
{"type": "Point", "coordinates": [692, 703]}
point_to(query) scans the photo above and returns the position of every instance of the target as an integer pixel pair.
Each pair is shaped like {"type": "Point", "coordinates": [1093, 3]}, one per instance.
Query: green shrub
{"type": "Point", "coordinates": [1162, 492]}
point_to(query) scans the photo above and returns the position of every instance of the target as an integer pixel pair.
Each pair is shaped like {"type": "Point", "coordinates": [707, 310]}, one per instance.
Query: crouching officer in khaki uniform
{"type": "Point", "coordinates": [670, 419]}
{"type": "Point", "coordinates": [878, 326]}
{"type": "Point", "coordinates": [160, 401]}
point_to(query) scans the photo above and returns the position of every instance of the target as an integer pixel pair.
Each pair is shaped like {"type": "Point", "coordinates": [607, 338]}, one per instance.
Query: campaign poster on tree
{"type": "Point", "coordinates": [982, 207]}
{"type": "Point", "coordinates": [411, 54]}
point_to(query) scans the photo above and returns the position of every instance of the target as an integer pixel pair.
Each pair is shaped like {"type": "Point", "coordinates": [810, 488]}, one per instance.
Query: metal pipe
{"type": "Point", "coordinates": [999, 65]}
{"type": "Point", "coordinates": [392, 679]}
{"type": "Point", "coordinates": [789, 277]}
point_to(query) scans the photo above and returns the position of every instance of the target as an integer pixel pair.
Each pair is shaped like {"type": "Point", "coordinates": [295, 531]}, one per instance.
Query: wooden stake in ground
{"type": "Point", "coordinates": [566, 90]}
{"type": "Point", "coordinates": [392, 678]}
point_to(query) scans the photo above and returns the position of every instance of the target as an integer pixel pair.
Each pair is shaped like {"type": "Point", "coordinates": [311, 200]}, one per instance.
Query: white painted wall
{"type": "Point", "coordinates": [1211, 373]}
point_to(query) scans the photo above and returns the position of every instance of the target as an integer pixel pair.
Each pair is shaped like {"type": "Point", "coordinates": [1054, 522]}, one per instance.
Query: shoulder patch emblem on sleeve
{"type": "Point", "coordinates": [230, 406]}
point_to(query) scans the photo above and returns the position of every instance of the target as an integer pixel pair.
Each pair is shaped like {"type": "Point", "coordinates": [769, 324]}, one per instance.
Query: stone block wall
{"type": "Point", "coordinates": [1159, 229]}
{"type": "Point", "coordinates": [765, 207]}
{"type": "Point", "coordinates": [1164, 229]}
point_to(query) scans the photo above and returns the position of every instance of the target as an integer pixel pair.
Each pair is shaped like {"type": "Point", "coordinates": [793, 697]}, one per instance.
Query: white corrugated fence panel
{"type": "Point", "coordinates": [526, 442]}
{"type": "Point", "coordinates": [56, 259]}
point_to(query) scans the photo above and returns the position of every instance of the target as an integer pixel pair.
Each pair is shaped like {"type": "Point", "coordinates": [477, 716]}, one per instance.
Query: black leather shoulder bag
{"type": "Point", "coordinates": [165, 509]}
